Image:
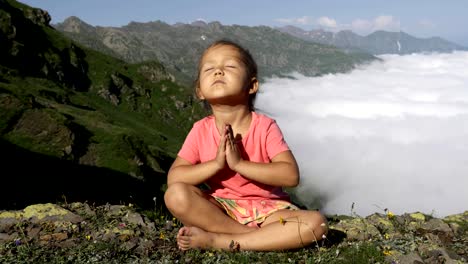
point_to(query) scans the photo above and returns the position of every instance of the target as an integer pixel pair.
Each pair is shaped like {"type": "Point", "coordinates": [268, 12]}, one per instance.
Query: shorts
{"type": "Point", "coordinates": [253, 212]}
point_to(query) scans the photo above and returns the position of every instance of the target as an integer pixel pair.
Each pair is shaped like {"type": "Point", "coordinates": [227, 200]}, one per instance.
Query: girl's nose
{"type": "Point", "coordinates": [218, 71]}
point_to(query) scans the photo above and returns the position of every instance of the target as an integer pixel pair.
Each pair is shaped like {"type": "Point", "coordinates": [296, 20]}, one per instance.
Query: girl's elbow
{"type": "Point", "coordinates": [294, 183]}
{"type": "Point", "coordinates": [171, 178]}
{"type": "Point", "coordinates": [293, 180]}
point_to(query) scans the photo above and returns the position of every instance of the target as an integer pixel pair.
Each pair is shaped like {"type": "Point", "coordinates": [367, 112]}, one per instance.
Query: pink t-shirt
{"type": "Point", "coordinates": [262, 142]}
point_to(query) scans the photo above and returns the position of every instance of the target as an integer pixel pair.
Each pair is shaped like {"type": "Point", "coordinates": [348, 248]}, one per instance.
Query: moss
{"type": "Point", "coordinates": [418, 216]}
{"type": "Point", "coordinates": [10, 214]}
{"type": "Point", "coordinates": [41, 211]}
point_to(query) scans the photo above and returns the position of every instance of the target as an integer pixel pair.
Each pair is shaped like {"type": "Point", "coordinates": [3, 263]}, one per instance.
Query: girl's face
{"type": "Point", "coordinates": [223, 77]}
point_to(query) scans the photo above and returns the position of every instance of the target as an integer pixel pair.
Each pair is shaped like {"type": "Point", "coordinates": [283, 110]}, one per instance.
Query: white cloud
{"type": "Point", "coordinates": [360, 26]}
{"type": "Point", "coordinates": [305, 20]}
{"type": "Point", "coordinates": [392, 134]}
{"type": "Point", "coordinates": [327, 22]}
{"type": "Point", "coordinates": [384, 22]}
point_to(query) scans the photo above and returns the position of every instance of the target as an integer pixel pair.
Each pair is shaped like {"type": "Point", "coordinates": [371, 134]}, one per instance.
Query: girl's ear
{"type": "Point", "coordinates": [199, 94]}
{"type": "Point", "coordinates": [253, 85]}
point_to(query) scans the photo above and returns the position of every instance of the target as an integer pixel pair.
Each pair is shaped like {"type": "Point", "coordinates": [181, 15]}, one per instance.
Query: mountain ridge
{"type": "Point", "coordinates": [378, 42]}
{"type": "Point", "coordinates": [179, 46]}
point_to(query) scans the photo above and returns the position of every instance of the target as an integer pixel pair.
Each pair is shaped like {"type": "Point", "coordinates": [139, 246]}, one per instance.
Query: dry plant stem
{"type": "Point", "coordinates": [299, 232]}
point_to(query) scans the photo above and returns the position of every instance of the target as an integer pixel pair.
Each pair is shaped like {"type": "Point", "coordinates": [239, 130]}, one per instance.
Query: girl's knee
{"type": "Point", "coordinates": [177, 196]}
{"type": "Point", "coordinates": [321, 224]}
{"type": "Point", "coordinates": [317, 222]}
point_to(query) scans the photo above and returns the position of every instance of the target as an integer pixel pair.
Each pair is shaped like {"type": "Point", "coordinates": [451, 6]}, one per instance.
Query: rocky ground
{"type": "Point", "coordinates": [82, 233]}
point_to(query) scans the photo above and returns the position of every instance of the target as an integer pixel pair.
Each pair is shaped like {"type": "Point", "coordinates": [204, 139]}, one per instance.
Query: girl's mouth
{"type": "Point", "coordinates": [218, 82]}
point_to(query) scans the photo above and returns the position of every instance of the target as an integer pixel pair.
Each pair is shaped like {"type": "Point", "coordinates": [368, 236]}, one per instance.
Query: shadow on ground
{"type": "Point", "coordinates": [28, 178]}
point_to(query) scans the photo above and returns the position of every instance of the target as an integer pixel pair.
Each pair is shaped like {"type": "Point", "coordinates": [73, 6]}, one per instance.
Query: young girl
{"type": "Point", "coordinates": [242, 156]}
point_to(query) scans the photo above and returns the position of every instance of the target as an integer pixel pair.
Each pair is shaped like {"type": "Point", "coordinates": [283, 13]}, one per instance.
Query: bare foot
{"type": "Point", "coordinates": [193, 237]}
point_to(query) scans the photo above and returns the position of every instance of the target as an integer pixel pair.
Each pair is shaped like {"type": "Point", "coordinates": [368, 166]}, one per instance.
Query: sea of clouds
{"type": "Point", "coordinates": [391, 134]}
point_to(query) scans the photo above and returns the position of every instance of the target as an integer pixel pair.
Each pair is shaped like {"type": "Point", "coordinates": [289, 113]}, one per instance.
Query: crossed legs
{"type": "Point", "coordinates": [207, 226]}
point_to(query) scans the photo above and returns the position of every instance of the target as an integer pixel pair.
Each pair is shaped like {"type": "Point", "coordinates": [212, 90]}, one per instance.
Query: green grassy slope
{"type": "Point", "coordinates": [69, 105]}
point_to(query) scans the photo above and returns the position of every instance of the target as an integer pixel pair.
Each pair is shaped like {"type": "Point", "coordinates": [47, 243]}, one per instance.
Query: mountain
{"type": "Point", "coordinates": [379, 42]}
{"type": "Point", "coordinates": [76, 124]}
{"type": "Point", "coordinates": [179, 46]}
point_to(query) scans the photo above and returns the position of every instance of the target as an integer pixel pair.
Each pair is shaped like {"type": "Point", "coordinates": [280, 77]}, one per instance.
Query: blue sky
{"type": "Point", "coordinates": [420, 18]}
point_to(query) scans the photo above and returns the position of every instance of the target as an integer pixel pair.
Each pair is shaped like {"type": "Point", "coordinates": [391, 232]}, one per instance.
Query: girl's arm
{"type": "Point", "coordinates": [186, 172]}
{"type": "Point", "coordinates": [282, 171]}
{"type": "Point", "coordinates": [183, 171]}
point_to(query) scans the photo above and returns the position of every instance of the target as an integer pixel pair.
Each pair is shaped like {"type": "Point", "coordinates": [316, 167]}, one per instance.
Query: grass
{"type": "Point", "coordinates": [105, 252]}
{"type": "Point", "coordinates": [155, 243]}
{"type": "Point", "coordinates": [89, 248]}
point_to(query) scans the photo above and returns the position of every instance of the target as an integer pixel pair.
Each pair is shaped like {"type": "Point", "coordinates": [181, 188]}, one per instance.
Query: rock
{"type": "Point", "coordinates": [4, 238]}
{"type": "Point", "coordinates": [439, 255]}
{"type": "Point", "coordinates": [144, 246]}
{"type": "Point", "coordinates": [134, 218]}
{"type": "Point", "coordinates": [460, 218]}
{"type": "Point", "coordinates": [384, 225]}
{"type": "Point", "coordinates": [412, 221]}
{"type": "Point", "coordinates": [56, 237]}
{"type": "Point", "coordinates": [418, 217]}
{"type": "Point", "coordinates": [38, 16]}
{"type": "Point", "coordinates": [410, 258]}
{"type": "Point", "coordinates": [439, 228]}
{"type": "Point", "coordinates": [82, 209]}
{"type": "Point", "coordinates": [69, 243]}
{"type": "Point", "coordinates": [8, 220]}
{"type": "Point", "coordinates": [45, 128]}
{"type": "Point", "coordinates": [33, 232]}
{"type": "Point", "coordinates": [116, 210]}
{"type": "Point", "coordinates": [131, 243]}
{"type": "Point", "coordinates": [153, 73]}
{"type": "Point", "coordinates": [357, 229]}
{"type": "Point", "coordinates": [457, 221]}
{"type": "Point", "coordinates": [49, 212]}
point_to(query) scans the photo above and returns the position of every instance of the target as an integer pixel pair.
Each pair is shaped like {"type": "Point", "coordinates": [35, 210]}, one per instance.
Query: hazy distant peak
{"type": "Point", "coordinates": [215, 24]}
{"type": "Point", "coordinates": [199, 23]}
{"type": "Point", "coordinates": [74, 24]}
{"type": "Point", "coordinates": [179, 24]}
{"type": "Point", "coordinates": [74, 20]}
{"type": "Point", "coordinates": [346, 31]}
{"type": "Point", "coordinates": [290, 27]}
{"type": "Point", "coordinates": [378, 42]}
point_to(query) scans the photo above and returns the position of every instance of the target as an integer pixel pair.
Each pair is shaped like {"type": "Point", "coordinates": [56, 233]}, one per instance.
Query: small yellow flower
{"type": "Point", "coordinates": [387, 236]}
{"type": "Point", "coordinates": [282, 221]}
{"type": "Point", "coordinates": [88, 237]}
{"type": "Point", "coordinates": [387, 252]}
{"type": "Point", "coordinates": [390, 214]}
{"type": "Point", "coordinates": [162, 236]}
